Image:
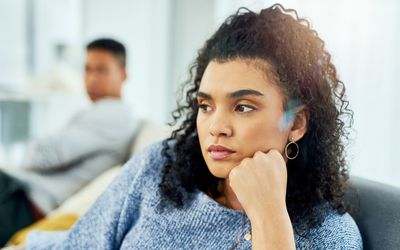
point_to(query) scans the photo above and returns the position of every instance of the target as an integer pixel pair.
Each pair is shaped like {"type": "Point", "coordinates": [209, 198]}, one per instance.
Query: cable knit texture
{"type": "Point", "coordinates": [126, 217]}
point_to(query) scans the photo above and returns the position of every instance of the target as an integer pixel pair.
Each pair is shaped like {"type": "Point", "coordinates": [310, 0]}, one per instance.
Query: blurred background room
{"type": "Point", "coordinates": [42, 53]}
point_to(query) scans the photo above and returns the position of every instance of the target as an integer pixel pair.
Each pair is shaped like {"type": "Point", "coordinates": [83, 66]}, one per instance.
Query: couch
{"type": "Point", "coordinates": [376, 212]}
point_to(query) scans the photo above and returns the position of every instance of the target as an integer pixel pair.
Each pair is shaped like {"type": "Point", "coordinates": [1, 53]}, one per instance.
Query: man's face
{"type": "Point", "coordinates": [104, 74]}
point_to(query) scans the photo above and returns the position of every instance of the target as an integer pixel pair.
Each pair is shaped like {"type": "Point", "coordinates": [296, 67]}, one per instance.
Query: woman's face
{"type": "Point", "coordinates": [240, 112]}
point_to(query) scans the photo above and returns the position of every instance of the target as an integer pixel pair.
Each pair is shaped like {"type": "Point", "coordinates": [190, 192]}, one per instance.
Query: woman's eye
{"type": "Point", "coordinates": [204, 107]}
{"type": "Point", "coordinates": [244, 108]}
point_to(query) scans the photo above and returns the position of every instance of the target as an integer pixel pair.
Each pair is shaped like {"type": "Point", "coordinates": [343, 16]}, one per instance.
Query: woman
{"type": "Point", "coordinates": [258, 161]}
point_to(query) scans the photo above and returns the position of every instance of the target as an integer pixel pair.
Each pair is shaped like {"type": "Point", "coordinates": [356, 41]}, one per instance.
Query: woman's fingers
{"type": "Point", "coordinates": [260, 182]}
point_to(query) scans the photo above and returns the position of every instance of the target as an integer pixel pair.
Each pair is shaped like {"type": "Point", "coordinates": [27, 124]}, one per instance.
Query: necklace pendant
{"type": "Point", "coordinates": [247, 236]}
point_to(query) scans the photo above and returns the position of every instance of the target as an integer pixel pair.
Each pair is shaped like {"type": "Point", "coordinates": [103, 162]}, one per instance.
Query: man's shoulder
{"type": "Point", "coordinates": [111, 104]}
{"type": "Point", "coordinates": [105, 112]}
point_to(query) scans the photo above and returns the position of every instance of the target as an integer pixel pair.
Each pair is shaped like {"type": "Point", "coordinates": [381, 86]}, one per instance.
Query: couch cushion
{"type": "Point", "coordinates": [149, 133]}
{"type": "Point", "coordinates": [377, 213]}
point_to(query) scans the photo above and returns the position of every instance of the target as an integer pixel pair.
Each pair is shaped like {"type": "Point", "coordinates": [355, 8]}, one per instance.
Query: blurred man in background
{"type": "Point", "coordinates": [94, 140]}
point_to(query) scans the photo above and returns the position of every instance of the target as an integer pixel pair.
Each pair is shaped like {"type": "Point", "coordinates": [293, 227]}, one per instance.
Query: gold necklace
{"type": "Point", "coordinates": [247, 235]}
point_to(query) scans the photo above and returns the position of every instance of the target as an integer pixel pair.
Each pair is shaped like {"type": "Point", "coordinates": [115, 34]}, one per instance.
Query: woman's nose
{"type": "Point", "coordinates": [220, 126]}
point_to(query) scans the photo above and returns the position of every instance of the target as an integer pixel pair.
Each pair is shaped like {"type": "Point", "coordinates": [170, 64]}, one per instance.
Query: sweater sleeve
{"type": "Point", "coordinates": [114, 212]}
{"type": "Point", "coordinates": [104, 128]}
{"type": "Point", "coordinates": [336, 232]}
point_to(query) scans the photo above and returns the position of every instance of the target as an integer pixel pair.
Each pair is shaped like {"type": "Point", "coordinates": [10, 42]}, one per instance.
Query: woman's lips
{"type": "Point", "coordinates": [219, 155]}
{"type": "Point", "coordinates": [218, 152]}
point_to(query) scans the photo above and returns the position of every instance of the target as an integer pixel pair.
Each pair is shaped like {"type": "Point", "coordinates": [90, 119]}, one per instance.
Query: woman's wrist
{"type": "Point", "coordinates": [272, 230]}
{"type": "Point", "coordinates": [267, 211]}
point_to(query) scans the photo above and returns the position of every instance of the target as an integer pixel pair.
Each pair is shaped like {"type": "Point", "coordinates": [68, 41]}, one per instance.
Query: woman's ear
{"type": "Point", "coordinates": [300, 123]}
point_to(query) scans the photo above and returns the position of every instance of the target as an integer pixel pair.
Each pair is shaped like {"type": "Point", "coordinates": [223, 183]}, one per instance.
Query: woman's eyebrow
{"type": "Point", "coordinates": [244, 92]}
{"type": "Point", "coordinates": [203, 95]}
{"type": "Point", "coordinates": [236, 94]}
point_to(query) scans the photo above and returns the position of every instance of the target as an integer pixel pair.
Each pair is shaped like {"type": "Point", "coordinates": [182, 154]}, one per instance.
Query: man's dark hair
{"type": "Point", "coordinates": [115, 47]}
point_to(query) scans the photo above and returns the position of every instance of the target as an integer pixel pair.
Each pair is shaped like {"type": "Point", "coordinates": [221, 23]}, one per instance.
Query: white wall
{"type": "Point", "coordinates": [143, 26]}
{"type": "Point", "coordinates": [13, 51]}
{"type": "Point", "coordinates": [364, 38]}
{"type": "Point", "coordinates": [55, 22]}
{"type": "Point", "coordinates": [192, 23]}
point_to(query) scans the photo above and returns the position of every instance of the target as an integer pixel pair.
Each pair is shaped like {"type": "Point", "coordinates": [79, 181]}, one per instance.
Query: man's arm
{"type": "Point", "coordinates": [102, 129]}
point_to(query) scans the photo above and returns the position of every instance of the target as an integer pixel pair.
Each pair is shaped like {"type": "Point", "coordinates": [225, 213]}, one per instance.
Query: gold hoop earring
{"type": "Point", "coordinates": [292, 142]}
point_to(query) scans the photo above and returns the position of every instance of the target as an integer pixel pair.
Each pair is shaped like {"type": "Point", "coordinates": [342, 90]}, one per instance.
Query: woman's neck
{"type": "Point", "coordinates": [228, 197]}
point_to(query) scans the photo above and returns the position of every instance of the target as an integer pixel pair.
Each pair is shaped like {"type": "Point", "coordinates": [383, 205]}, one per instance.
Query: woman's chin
{"type": "Point", "coordinates": [220, 170]}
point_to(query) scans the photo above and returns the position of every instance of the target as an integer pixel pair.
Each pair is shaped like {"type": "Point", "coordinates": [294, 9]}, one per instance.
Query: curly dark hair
{"type": "Point", "coordinates": [305, 74]}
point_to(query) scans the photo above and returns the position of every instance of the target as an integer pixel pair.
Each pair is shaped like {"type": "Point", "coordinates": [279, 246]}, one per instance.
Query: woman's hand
{"type": "Point", "coordinates": [259, 184]}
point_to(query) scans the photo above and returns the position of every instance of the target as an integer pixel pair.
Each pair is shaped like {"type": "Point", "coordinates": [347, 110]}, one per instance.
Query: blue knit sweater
{"type": "Point", "coordinates": [125, 217]}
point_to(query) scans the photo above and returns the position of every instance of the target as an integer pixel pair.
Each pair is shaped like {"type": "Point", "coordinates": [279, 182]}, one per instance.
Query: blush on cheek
{"type": "Point", "coordinates": [262, 137]}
